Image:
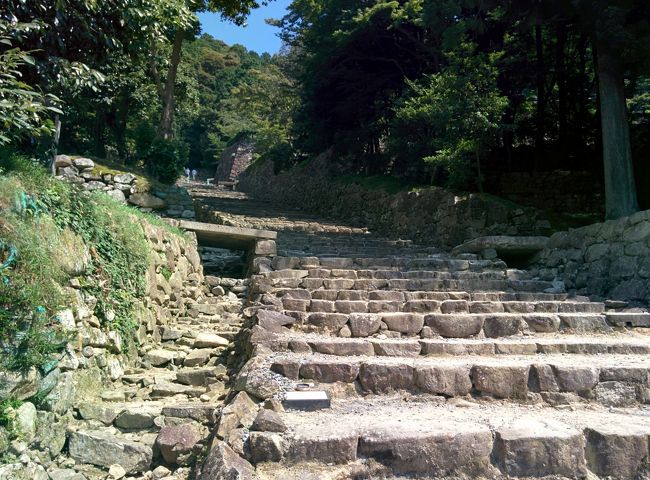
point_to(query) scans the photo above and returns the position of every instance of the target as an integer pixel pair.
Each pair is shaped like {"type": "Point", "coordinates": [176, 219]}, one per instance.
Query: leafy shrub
{"type": "Point", "coordinates": [166, 159]}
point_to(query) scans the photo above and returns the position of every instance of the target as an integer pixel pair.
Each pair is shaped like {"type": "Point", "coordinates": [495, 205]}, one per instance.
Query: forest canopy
{"type": "Point", "coordinates": [430, 91]}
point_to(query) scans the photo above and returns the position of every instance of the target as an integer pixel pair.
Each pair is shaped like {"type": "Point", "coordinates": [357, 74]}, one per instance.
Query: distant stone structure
{"type": "Point", "coordinates": [234, 160]}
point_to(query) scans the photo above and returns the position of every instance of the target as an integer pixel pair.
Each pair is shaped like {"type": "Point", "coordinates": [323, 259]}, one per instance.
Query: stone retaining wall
{"type": "Point", "coordinates": [430, 216]}
{"type": "Point", "coordinates": [610, 259]}
{"type": "Point", "coordinates": [573, 192]}
{"type": "Point", "coordinates": [96, 355]}
{"type": "Point", "coordinates": [170, 200]}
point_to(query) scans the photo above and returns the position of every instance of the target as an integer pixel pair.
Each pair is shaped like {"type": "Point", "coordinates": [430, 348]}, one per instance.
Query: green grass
{"type": "Point", "coordinates": [49, 225]}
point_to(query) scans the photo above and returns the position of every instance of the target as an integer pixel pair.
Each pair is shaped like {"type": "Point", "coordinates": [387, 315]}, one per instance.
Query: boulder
{"type": "Point", "coordinates": [617, 452]}
{"type": "Point", "coordinates": [268, 421]}
{"type": "Point", "coordinates": [146, 200]}
{"type": "Point", "coordinates": [127, 178]}
{"type": "Point", "coordinates": [158, 357]}
{"type": "Point", "coordinates": [68, 172]}
{"type": "Point", "coordinates": [176, 442]}
{"type": "Point", "coordinates": [274, 321]}
{"type": "Point", "coordinates": [19, 385]}
{"type": "Point", "coordinates": [224, 464]}
{"type": "Point", "coordinates": [136, 419]}
{"type": "Point", "coordinates": [455, 326]}
{"type": "Point", "coordinates": [209, 340]}
{"type": "Point", "coordinates": [265, 447]}
{"type": "Point", "coordinates": [98, 411]}
{"type": "Point", "coordinates": [364, 325]}
{"type": "Point", "coordinates": [94, 185]}
{"type": "Point", "coordinates": [60, 399]}
{"type": "Point", "coordinates": [103, 449]}
{"type": "Point", "coordinates": [117, 195]}
{"type": "Point", "coordinates": [329, 371]}
{"type": "Point", "coordinates": [83, 163]}
{"type": "Point", "coordinates": [241, 412]}
{"type": "Point", "coordinates": [62, 161]}
{"type": "Point", "coordinates": [26, 421]}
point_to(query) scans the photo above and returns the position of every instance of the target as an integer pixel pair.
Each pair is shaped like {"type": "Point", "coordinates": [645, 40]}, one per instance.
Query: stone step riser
{"type": "Point", "coordinates": [386, 264]}
{"type": "Point", "coordinates": [448, 325]}
{"type": "Point", "coordinates": [435, 306]}
{"type": "Point", "coordinates": [428, 348]}
{"type": "Point", "coordinates": [410, 285]}
{"type": "Point", "coordinates": [468, 453]}
{"type": "Point", "coordinates": [401, 296]}
{"type": "Point", "coordinates": [554, 384]}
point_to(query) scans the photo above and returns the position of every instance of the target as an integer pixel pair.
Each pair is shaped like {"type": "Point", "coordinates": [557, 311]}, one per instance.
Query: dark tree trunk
{"type": "Point", "coordinates": [541, 95]}
{"type": "Point", "coordinates": [562, 91]}
{"type": "Point", "coordinates": [167, 118]}
{"type": "Point", "coordinates": [620, 189]}
{"type": "Point", "coordinates": [581, 100]}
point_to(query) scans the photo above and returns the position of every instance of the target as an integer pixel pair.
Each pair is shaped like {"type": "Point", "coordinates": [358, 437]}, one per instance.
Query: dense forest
{"type": "Point", "coordinates": [430, 91]}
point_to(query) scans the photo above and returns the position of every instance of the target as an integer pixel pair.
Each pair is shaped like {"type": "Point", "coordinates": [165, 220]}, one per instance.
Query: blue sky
{"type": "Point", "coordinates": [257, 35]}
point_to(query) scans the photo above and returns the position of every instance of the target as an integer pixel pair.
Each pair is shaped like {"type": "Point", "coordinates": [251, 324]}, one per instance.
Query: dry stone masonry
{"type": "Point", "coordinates": [432, 216]}
{"type": "Point", "coordinates": [170, 201]}
{"type": "Point", "coordinates": [145, 411]}
{"type": "Point", "coordinates": [610, 259]}
{"type": "Point", "coordinates": [436, 366]}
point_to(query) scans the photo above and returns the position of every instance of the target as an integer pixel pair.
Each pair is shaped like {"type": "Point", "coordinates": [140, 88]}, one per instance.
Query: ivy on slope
{"type": "Point", "coordinates": [51, 225]}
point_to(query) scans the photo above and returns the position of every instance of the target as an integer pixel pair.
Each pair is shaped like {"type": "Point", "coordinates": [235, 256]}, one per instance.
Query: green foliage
{"type": "Point", "coordinates": [24, 111]}
{"type": "Point", "coordinates": [49, 225]}
{"type": "Point", "coordinates": [8, 408]}
{"type": "Point", "coordinates": [451, 119]}
{"type": "Point", "coordinates": [166, 159]}
{"type": "Point", "coordinates": [263, 109]}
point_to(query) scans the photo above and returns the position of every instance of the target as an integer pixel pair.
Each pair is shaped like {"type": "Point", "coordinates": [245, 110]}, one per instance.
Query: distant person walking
{"type": "Point", "coordinates": [187, 173]}
{"type": "Point", "coordinates": [194, 172]}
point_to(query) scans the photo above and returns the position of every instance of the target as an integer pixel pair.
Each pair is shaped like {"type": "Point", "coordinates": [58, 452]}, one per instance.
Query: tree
{"type": "Point", "coordinates": [178, 27]}
{"type": "Point", "coordinates": [450, 119]}
{"type": "Point", "coordinates": [24, 111]}
{"type": "Point", "coordinates": [263, 108]}
{"type": "Point", "coordinates": [620, 34]}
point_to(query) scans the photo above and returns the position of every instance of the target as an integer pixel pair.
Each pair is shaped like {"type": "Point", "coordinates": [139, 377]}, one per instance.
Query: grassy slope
{"type": "Point", "coordinates": [58, 232]}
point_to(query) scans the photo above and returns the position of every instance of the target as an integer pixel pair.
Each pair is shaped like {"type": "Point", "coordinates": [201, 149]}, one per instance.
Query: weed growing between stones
{"type": "Point", "coordinates": [8, 422]}
{"type": "Point", "coordinates": [51, 232]}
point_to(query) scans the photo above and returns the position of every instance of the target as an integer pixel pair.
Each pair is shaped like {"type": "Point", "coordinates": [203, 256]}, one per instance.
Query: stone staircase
{"type": "Point", "coordinates": [158, 417]}
{"type": "Point", "coordinates": [436, 366]}
{"type": "Point", "coordinates": [443, 367]}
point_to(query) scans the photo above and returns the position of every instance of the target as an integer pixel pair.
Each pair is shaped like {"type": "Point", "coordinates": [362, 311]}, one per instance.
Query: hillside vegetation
{"type": "Point", "coordinates": [55, 237]}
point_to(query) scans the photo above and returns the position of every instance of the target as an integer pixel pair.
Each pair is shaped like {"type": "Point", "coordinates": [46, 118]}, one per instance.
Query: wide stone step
{"type": "Point", "coordinates": [613, 380]}
{"type": "Point", "coordinates": [440, 262]}
{"type": "Point", "coordinates": [411, 285]}
{"type": "Point", "coordinates": [402, 296]}
{"type": "Point", "coordinates": [443, 441]}
{"type": "Point", "coordinates": [542, 344]}
{"type": "Point", "coordinates": [360, 305]}
{"type": "Point", "coordinates": [452, 325]}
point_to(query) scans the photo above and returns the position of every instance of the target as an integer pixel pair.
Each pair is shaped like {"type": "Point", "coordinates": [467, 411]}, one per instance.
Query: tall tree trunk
{"type": "Point", "coordinates": [167, 118]}
{"type": "Point", "coordinates": [562, 91]}
{"type": "Point", "coordinates": [620, 189]}
{"type": "Point", "coordinates": [541, 95]}
{"type": "Point", "coordinates": [55, 142]}
{"type": "Point", "coordinates": [581, 97]}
